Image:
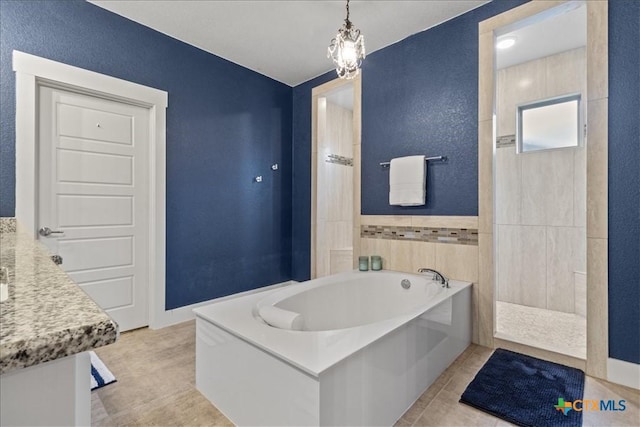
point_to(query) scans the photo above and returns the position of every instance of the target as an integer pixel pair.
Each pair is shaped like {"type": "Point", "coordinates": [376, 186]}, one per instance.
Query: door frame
{"type": "Point", "coordinates": [317, 93]}
{"type": "Point", "coordinates": [596, 363]}
{"type": "Point", "coordinates": [32, 72]}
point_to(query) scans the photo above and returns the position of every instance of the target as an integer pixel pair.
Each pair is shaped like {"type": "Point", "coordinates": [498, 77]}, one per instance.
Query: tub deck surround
{"type": "Point", "coordinates": [313, 351]}
{"type": "Point", "coordinates": [47, 316]}
{"type": "Point", "coordinates": [369, 350]}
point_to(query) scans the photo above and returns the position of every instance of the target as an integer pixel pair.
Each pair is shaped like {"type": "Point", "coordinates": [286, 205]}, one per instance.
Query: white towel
{"type": "Point", "coordinates": [102, 372]}
{"type": "Point", "coordinates": [282, 319]}
{"type": "Point", "coordinates": [407, 181]}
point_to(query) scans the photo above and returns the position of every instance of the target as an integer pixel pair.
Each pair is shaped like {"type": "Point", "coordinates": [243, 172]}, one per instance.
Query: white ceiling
{"type": "Point", "coordinates": [547, 36]}
{"type": "Point", "coordinates": [285, 40]}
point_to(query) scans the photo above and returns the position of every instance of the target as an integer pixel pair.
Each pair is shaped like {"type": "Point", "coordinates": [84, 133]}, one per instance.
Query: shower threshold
{"type": "Point", "coordinates": [556, 331]}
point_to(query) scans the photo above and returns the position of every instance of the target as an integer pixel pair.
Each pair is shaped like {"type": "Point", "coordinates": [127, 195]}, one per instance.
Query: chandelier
{"type": "Point", "coordinates": [347, 50]}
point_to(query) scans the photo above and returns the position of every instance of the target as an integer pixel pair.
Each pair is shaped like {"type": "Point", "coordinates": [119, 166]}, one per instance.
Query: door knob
{"type": "Point", "coordinates": [46, 231]}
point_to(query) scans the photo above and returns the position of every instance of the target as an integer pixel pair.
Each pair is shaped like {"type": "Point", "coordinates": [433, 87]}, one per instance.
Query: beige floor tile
{"type": "Point", "coordinates": [187, 409]}
{"type": "Point", "coordinates": [445, 410]}
{"type": "Point", "coordinates": [478, 358]}
{"type": "Point", "coordinates": [459, 382]}
{"type": "Point", "coordinates": [141, 396]}
{"type": "Point", "coordinates": [402, 422]}
{"type": "Point", "coordinates": [503, 423]}
{"type": "Point", "coordinates": [98, 412]}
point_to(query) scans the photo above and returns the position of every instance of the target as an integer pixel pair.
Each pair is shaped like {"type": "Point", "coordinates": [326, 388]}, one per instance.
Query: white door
{"type": "Point", "coordinates": [93, 197]}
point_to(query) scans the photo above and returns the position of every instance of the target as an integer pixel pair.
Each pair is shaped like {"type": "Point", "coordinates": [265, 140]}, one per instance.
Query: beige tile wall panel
{"type": "Point", "coordinates": [356, 204]}
{"type": "Point", "coordinates": [475, 314]}
{"type": "Point", "coordinates": [566, 73]}
{"type": "Point", "coordinates": [485, 176]}
{"type": "Point", "coordinates": [598, 50]}
{"type": "Point", "coordinates": [398, 256]}
{"type": "Point", "coordinates": [421, 221]}
{"type": "Point", "coordinates": [389, 220]}
{"type": "Point", "coordinates": [339, 130]}
{"type": "Point", "coordinates": [580, 282]}
{"type": "Point", "coordinates": [337, 189]}
{"type": "Point", "coordinates": [547, 188]}
{"type": "Point", "coordinates": [523, 83]}
{"type": "Point", "coordinates": [597, 158]}
{"type": "Point", "coordinates": [401, 255]}
{"type": "Point", "coordinates": [379, 247]}
{"type": "Point", "coordinates": [597, 203]}
{"type": "Point", "coordinates": [485, 289]}
{"type": "Point", "coordinates": [521, 265]}
{"type": "Point", "coordinates": [445, 221]}
{"type": "Point", "coordinates": [331, 141]}
{"type": "Point", "coordinates": [505, 123]}
{"type": "Point", "coordinates": [331, 235]}
{"type": "Point", "coordinates": [357, 182]}
{"type": "Point", "coordinates": [597, 307]}
{"type": "Point", "coordinates": [566, 254]}
{"type": "Point", "coordinates": [423, 255]}
{"type": "Point", "coordinates": [334, 193]}
{"type": "Point", "coordinates": [508, 191]}
{"type": "Point", "coordinates": [357, 165]}
{"type": "Point", "coordinates": [340, 260]}
{"type": "Point", "coordinates": [458, 262]}
{"type": "Point", "coordinates": [314, 209]}
{"type": "Point", "coordinates": [357, 246]}
{"type": "Point", "coordinates": [485, 77]}
{"type": "Point", "coordinates": [580, 187]}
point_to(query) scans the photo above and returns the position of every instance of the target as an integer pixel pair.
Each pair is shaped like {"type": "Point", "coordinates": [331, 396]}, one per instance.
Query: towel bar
{"type": "Point", "coordinates": [440, 158]}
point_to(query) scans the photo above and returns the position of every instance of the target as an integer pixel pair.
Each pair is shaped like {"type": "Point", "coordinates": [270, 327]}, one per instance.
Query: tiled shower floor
{"type": "Point", "coordinates": [564, 333]}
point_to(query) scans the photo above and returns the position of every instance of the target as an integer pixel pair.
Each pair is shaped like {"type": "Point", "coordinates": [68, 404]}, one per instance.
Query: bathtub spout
{"type": "Point", "coordinates": [436, 276]}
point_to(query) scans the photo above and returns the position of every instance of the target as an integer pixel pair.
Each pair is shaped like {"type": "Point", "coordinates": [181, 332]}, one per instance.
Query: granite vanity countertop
{"type": "Point", "coordinates": [47, 316]}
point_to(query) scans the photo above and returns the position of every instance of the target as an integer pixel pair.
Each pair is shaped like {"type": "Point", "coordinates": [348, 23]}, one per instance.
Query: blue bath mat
{"type": "Point", "coordinates": [100, 374]}
{"type": "Point", "coordinates": [526, 391]}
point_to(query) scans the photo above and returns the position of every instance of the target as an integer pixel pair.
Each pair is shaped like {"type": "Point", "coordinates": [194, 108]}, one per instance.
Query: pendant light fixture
{"type": "Point", "coordinates": [347, 50]}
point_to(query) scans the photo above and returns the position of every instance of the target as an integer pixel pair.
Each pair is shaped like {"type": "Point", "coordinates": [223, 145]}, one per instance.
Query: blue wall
{"type": "Point", "coordinates": [225, 125]}
{"type": "Point", "coordinates": [624, 180]}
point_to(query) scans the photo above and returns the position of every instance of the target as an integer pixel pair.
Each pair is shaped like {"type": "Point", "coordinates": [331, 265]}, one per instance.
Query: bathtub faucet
{"type": "Point", "coordinates": [436, 276]}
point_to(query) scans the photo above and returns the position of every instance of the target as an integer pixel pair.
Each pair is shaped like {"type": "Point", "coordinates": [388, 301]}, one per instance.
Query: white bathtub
{"type": "Point", "coordinates": [369, 349]}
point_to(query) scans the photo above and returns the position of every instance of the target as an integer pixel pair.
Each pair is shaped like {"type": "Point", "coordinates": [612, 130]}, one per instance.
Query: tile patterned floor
{"type": "Point", "coordinates": [156, 387]}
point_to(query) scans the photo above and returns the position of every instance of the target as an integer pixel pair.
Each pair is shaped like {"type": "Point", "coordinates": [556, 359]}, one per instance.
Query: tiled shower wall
{"type": "Point", "coordinates": [540, 196]}
{"type": "Point", "coordinates": [335, 190]}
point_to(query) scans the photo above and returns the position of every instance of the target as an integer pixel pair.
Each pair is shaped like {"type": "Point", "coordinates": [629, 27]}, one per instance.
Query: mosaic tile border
{"type": "Point", "coordinates": [7, 225]}
{"type": "Point", "coordinates": [505, 141]}
{"type": "Point", "coordinates": [458, 236]}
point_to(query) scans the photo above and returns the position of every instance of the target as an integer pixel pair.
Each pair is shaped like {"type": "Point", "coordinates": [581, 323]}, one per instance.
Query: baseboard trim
{"type": "Point", "coordinates": [624, 373]}
{"type": "Point", "coordinates": [184, 314]}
